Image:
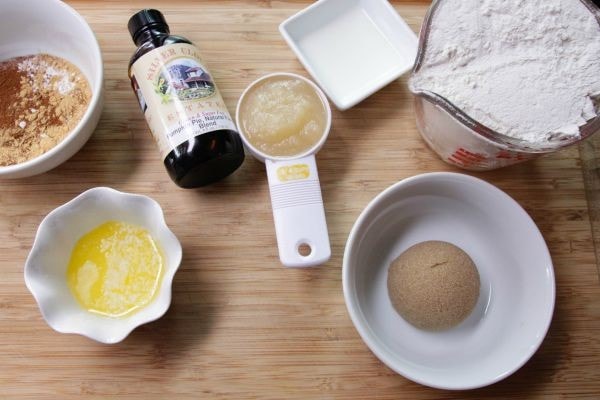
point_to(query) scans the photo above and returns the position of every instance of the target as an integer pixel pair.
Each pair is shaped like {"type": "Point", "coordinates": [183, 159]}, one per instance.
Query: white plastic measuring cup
{"type": "Point", "coordinates": [298, 212]}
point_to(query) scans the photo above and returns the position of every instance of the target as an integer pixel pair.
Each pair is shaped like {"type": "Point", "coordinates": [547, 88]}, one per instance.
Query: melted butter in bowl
{"type": "Point", "coordinates": [115, 269]}
{"type": "Point", "coordinates": [103, 264]}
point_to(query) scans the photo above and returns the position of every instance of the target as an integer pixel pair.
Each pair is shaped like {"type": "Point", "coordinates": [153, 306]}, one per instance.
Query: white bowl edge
{"type": "Point", "coordinates": [119, 328]}
{"type": "Point", "coordinates": [362, 326]}
{"type": "Point", "coordinates": [84, 129]}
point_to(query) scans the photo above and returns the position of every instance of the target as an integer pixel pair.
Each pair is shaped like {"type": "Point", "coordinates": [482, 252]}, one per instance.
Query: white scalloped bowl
{"type": "Point", "coordinates": [46, 265]}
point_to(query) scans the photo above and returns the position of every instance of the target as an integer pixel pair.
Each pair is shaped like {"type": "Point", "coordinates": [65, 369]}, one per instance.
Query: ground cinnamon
{"type": "Point", "coordinates": [43, 98]}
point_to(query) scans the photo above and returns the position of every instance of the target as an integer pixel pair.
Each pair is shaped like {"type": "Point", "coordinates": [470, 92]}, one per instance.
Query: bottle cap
{"type": "Point", "coordinates": [145, 19]}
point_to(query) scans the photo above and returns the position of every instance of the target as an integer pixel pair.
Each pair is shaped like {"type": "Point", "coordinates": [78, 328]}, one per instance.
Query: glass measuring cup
{"type": "Point", "coordinates": [460, 140]}
{"type": "Point", "coordinates": [296, 200]}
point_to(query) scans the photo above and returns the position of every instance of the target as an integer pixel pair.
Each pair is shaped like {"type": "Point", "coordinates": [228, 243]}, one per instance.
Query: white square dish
{"type": "Point", "coordinates": [351, 48]}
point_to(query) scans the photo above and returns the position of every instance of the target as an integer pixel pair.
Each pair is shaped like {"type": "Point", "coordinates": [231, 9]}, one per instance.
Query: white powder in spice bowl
{"type": "Point", "coordinates": [526, 69]}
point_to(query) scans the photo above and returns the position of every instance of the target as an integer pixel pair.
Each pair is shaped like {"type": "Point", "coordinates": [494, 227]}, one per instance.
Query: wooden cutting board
{"type": "Point", "coordinates": [240, 325]}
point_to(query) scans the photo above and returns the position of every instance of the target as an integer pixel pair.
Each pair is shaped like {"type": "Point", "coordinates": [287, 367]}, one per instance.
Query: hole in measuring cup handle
{"type": "Point", "coordinates": [304, 249]}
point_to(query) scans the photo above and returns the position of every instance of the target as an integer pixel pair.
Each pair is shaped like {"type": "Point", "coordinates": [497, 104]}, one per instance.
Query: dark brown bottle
{"type": "Point", "coordinates": [183, 107]}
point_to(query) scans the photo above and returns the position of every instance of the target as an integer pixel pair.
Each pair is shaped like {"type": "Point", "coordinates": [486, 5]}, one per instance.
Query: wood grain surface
{"type": "Point", "coordinates": [240, 325]}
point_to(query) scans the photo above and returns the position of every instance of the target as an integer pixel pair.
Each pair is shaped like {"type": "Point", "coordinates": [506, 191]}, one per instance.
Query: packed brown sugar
{"type": "Point", "coordinates": [43, 98]}
{"type": "Point", "coordinates": [433, 285]}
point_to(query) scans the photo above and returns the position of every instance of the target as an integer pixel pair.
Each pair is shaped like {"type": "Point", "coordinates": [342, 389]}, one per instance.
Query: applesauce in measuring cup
{"type": "Point", "coordinates": [283, 116]}
{"type": "Point", "coordinates": [284, 119]}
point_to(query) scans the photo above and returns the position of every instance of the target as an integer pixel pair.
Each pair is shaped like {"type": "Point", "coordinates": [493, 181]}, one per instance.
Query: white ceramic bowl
{"type": "Point", "coordinates": [45, 269]}
{"type": "Point", "coordinates": [517, 291]}
{"type": "Point", "coordinates": [50, 26]}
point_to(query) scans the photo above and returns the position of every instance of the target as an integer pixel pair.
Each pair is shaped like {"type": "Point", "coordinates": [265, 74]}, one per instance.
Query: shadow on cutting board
{"type": "Point", "coordinates": [186, 324]}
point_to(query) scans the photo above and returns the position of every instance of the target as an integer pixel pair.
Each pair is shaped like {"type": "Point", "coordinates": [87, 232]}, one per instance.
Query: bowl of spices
{"type": "Point", "coordinates": [448, 281]}
{"type": "Point", "coordinates": [103, 264]}
{"type": "Point", "coordinates": [51, 82]}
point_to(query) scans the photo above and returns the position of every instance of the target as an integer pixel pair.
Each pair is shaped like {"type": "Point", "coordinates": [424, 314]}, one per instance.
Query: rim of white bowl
{"type": "Point", "coordinates": [362, 326]}
{"type": "Point", "coordinates": [94, 103]}
{"type": "Point", "coordinates": [128, 322]}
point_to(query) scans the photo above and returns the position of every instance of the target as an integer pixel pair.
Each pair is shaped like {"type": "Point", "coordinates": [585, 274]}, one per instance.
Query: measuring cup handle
{"type": "Point", "coordinates": [298, 212]}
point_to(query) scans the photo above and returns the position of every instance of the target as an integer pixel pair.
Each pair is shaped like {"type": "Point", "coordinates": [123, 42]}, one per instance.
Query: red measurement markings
{"type": "Point", "coordinates": [504, 154]}
{"type": "Point", "coordinates": [466, 158]}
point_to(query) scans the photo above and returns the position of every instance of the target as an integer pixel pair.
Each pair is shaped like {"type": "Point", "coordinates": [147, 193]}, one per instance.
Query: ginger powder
{"type": "Point", "coordinates": [43, 99]}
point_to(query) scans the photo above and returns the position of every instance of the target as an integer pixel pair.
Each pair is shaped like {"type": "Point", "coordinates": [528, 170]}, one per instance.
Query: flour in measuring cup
{"type": "Point", "coordinates": [527, 69]}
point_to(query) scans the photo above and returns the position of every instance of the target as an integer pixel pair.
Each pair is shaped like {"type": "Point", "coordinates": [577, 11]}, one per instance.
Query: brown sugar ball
{"type": "Point", "coordinates": [433, 285]}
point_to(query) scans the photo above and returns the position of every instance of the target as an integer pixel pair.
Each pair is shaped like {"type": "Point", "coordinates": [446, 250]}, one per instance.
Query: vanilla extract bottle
{"type": "Point", "coordinates": [183, 107]}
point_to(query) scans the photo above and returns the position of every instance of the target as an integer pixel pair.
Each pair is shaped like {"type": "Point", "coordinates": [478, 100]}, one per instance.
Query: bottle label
{"type": "Point", "coordinates": [178, 96]}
